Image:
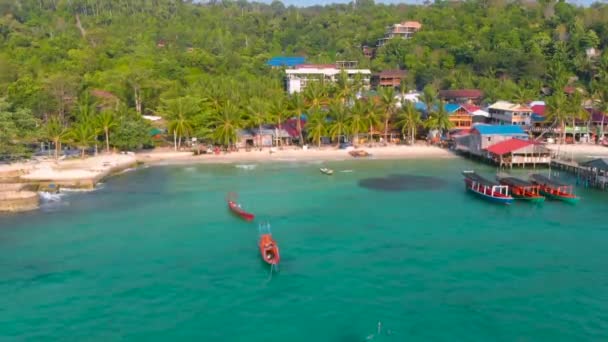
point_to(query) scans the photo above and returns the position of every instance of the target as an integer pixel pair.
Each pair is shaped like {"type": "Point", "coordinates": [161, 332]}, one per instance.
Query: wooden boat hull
{"type": "Point", "coordinates": [532, 199]}
{"type": "Point", "coordinates": [489, 198]}
{"type": "Point", "coordinates": [237, 210]}
{"type": "Point", "coordinates": [560, 197]}
{"type": "Point", "coordinates": [269, 250]}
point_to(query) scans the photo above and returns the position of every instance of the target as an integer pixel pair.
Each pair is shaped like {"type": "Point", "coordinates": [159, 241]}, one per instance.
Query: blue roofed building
{"type": "Point", "coordinates": [483, 136]}
{"type": "Point", "coordinates": [282, 61]}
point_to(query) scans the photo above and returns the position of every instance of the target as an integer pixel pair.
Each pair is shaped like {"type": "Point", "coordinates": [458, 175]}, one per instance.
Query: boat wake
{"type": "Point", "coordinates": [347, 171]}
{"type": "Point", "coordinates": [246, 166]}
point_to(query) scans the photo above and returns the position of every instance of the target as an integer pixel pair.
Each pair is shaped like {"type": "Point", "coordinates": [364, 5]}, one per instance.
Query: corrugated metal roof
{"type": "Point", "coordinates": [286, 61]}
{"type": "Point", "coordinates": [508, 146]}
{"type": "Point", "coordinates": [451, 107]}
{"type": "Point", "coordinates": [600, 164]}
{"type": "Point", "coordinates": [505, 105]}
{"type": "Point", "coordinates": [499, 130]}
{"type": "Point", "coordinates": [538, 109]}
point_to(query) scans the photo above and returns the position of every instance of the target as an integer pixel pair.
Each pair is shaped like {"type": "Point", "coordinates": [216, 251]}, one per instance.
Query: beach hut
{"type": "Point", "coordinates": [597, 173]}
{"type": "Point", "coordinates": [516, 151]}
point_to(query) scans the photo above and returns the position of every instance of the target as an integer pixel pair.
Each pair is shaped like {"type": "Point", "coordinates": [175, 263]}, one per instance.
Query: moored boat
{"type": "Point", "coordinates": [486, 189]}
{"type": "Point", "coordinates": [327, 171]}
{"type": "Point", "coordinates": [521, 189]}
{"type": "Point", "coordinates": [359, 153]}
{"type": "Point", "coordinates": [237, 210]}
{"type": "Point", "coordinates": [269, 250]}
{"type": "Point", "coordinates": [553, 189]}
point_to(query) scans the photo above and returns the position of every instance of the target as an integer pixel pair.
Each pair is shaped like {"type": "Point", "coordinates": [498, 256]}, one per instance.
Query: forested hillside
{"type": "Point", "coordinates": [62, 61]}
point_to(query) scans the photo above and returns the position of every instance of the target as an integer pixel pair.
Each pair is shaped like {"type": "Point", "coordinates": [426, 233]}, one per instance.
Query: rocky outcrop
{"type": "Point", "coordinates": [16, 201]}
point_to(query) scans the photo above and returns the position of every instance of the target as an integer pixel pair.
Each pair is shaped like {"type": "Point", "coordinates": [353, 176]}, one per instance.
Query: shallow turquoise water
{"type": "Point", "coordinates": [155, 256]}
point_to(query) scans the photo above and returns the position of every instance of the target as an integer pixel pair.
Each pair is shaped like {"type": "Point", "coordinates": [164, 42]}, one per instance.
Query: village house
{"type": "Point", "coordinates": [515, 151]}
{"type": "Point", "coordinates": [482, 136]}
{"type": "Point", "coordinates": [404, 30]}
{"type": "Point", "coordinates": [298, 78]}
{"type": "Point", "coordinates": [462, 96]}
{"type": "Point", "coordinates": [268, 136]}
{"type": "Point", "coordinates": [507, 113]}
{"type": "Point", "coordinates": [389, 78]}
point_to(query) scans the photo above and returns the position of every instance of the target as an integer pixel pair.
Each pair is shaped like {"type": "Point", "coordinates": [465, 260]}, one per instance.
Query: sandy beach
{"type": "Point", "coordinates": [292, 153]}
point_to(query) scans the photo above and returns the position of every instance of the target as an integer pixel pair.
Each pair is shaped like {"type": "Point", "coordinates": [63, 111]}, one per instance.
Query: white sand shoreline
{"type": "Point", "coordinates": [295, 155]}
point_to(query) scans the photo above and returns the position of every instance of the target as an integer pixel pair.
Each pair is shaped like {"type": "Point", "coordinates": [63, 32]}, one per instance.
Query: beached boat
{"type": "Point", "coordinates": [486, 189]}
{"type": "Point", "coordinates": [327, 171]}
{"type": "Point", "coordinates": [359, 153]}
{"type": "Point", "coordinates": [521, 189]}
{"type": "Point", "coordinates": [553, 189]}
{"type": "Point", "coordinates": [269, 250]}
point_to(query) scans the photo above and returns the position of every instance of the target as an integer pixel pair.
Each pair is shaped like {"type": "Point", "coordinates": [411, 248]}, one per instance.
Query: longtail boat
{"type": "Point", "coordinates": [237, 209]}
{"type": "Point", "coordinates": [269, 250]}
{"type": "Point", "coordinates": [486, 189]}
{"type": "Point", "coordinates": [521, 189]}
{"type": "Point", "coordinates": [553, 189]}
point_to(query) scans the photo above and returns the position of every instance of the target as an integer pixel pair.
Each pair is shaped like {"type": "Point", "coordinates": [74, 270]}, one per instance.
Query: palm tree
{"type": "Point", "coordinates": [372, 117]}
{"type": "Point", "coordinates": [297, 107]}
{"type": "Point", "coordinates": [556, 109]}
{"type": "Point", "coordinates": [523, 95]}
{"type": "Point", "coordinates": [278, 112]}
{"type": "Point", "coordinates": [409, 120]}
{"type": "Point", "coordinates": [439, 118]}
{"type": "Point", "coordinates": [107, 121]}
{"type": "Point", "coordinates": [56, 131]}
{"type": "Point", "coordinates": [258, 115]}
{"type": "Point", "coordinates": [315, 94]}
{"type": "Point", "coordinates": [339, 121]}
{"type": "Point", "coordinates": [429, 94]}
{"type": "Point", "coordinates": [577, 111]}
{"type": "Point", "coordinates": [83, 134]}
{"type": "Point", "coordinates": [316, 126]}
{"type": "Point", "coordinates": [344, 87]}
{"type": "Point", "coordinates": [356, 119]}
{"type": "Point", "coordinates": [226, 124]}
{"type": "Point", "coordinates": [387, 103]}
{"type": "Point", "coordinates": [179, 112]}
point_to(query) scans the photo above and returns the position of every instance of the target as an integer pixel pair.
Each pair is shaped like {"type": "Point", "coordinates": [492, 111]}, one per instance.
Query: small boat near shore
{"type": "Point", "coordinates": [326, 171]}
{"type": "Point", "coordinates": [269, 250]}
{"type": "Point", "coordinates": [553, 189]}
{"type": "Point", "coordinates": [486, 189]}
{"type": "Point", "coordinates": [521, 189]}
{"type": "Point", "coordinates": [359, 153]}
{"type": "Point", "coordinates": [236, 208]}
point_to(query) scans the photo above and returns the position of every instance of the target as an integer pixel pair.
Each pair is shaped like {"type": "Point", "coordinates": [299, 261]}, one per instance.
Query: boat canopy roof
{"type": "Point", "coordinates": [542, 179]}
{"type": "Point", "coordinates": [479, 179]}
{"type": "Point", "coordinates": [516, 181]}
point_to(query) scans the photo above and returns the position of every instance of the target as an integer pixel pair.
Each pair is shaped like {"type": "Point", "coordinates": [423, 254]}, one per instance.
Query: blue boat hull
{"type": "Point", "coordinates": [499, 200]}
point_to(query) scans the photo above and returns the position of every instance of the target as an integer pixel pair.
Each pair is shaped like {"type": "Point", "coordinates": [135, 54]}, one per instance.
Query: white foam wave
{"type": "Point", "coordinates": [50, 197]}
{"type": "Point", "coordinates": [347, 171]}
{"type": "Point", "coordinates": [246, 166]}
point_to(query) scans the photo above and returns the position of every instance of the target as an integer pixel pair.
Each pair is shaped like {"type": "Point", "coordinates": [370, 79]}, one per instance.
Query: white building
{"type": "Point", "coordinates": [507, 113]}
{"type": "Point", "coordinates": [300, 76]}
{"type": "Point", "coordinates": [404, 30]}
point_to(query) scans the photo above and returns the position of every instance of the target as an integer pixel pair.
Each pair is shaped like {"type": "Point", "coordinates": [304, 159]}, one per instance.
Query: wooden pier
{"type": "Point", "coordinates": [584, 175]}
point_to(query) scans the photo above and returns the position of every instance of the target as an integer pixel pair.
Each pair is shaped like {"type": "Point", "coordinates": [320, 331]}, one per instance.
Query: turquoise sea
{"type": "Point", "coordinates": [154, 255]}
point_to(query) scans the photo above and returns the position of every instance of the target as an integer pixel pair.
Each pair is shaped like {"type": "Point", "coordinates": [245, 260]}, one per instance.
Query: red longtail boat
{"type": "Point", "coordinates": [553, 189]}
{"type": "Point", "coordinates": [269, 250]}
{"type": "Point", "coordinates": [237, 209]}
{"type": "Point", "coordinates": [521, 189]}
